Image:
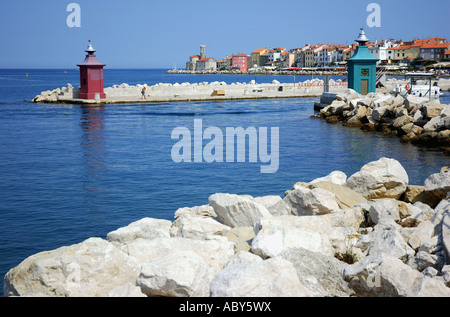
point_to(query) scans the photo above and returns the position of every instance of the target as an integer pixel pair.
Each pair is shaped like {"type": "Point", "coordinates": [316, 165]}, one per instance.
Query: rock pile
{"type": "Point", "coordinates": [58, 94]}
{"type": "Point", "coordinates": [370, 234]}
{"type": "Point", "coordinates": [414, 119]}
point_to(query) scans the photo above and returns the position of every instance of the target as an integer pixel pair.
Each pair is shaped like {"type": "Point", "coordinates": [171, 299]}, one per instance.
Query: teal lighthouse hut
{"type": "Point", "coordinates": [362, 68]}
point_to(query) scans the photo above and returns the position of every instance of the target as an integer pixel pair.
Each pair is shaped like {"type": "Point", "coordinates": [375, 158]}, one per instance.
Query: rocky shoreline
{"type": "Point", "coordinates": [369, 234]}
{"type": "Point", "coordinates": [414, 119]}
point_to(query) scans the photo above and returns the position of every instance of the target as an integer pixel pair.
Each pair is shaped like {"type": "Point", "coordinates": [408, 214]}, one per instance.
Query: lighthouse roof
{"type": "Point", "coordinates": [91, 60]}
{"type": "Point", "coordinates": [362, 52]}
{"type": "Point", "coordinates": [362, 38]}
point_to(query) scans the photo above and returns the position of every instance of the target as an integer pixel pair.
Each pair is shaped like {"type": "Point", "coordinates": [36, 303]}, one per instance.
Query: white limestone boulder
{"type": "Point", "coordinates": [324, 278]}
{"type": "Point", "coordinates": [438, 184]}
{"type": "Point", "coordinates": [198, 228]}
{"type": "Point", "coordinates": [178, 273]}
{"type": "Point", "coordinates": [215, 252]}
{"type": "Point", "coordinates": [274, 204]}
{"type": "Point", "coordinates": [336, 177]}
{"type": "Point", "coordinates": [270, 243]}
{"type": "Point", "coordinates": [275, 277]}
{"type": "Point", "coordinates": [379, 112]}
{"type": "Point", "coordinates": [345, 197]}
{"type": "Point", "coordinates": [385, 178]}
{"type": "Point", "coordinates": [446, 235]}
{"type": "Point", "coordinates": [420, 234]}
{"type": "Point", "coordinates": [243, 257]}
{"type": "Point", "coordinates": [197, 211]}
{"type": "Point", "coordinates": [127, 290]}
{"type": "Point", "coordinates": [237, 211]}
{"type": "Point", "coordinates": [327, 234]}
{"type": "Point", "coordinates": [91, 268]}
{"type": "Point", "coordinates": [384, 209]}
{"type": "Point", "coordinates": [303, 201]}
{"type": "Point", "coordinates": [387, 241]}
{"type": "Point", "coordinates": [381, 275]}
{"type": "Point", "coordinates": [146, 228]}
{"type": "Point", "coordinates": [433, 109]}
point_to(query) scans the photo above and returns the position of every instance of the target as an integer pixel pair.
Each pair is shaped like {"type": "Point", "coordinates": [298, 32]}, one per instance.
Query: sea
{"type": "Point", "coordinates": [71, 172]}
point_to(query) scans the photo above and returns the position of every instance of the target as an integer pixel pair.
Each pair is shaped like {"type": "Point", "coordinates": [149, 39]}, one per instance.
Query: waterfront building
{"type": "Point", "coordinates": [300, 55]}
{"type": "Point", "coordinates": [249, 62]}
{"type": "Point", "coordinates": [206, 64]}
{"type": "Point", "coordinates": [224, 64]}
{"type": "Point", "coordinates": [274, 56]}
{"type": "Point", "coordinates": [380, 50]}
{"type": "Point", "coordinates": [201, 62]}
{"type": "Point", "coordinates": [324, 57]}
{"type": "Point", "coordinates": [305, 56]}
{"type": "Point", "coordinates": [192, 62]}
{"type": "Point", "coordinates": [346, 53]}
{"type": "Point", "coordinates": [317, 50]}
{"type": "Point", "coordinates": [390, 52]}
{"type": "Point", "coordinates": [91, 76]}
{"type": "Point", "coordinates": [289, 59]}
{"type": "Point", "coordinates": [409, 49]}
{"type": "Point", "coordinates": [239, 62]}
{"type": "Point", "coordinates": [256, 57]}
{"type": "Point", "coordinates": [434, 51]}
{"type": "Point", "coordinates": [362, 68]}
{"type": "Point", "coordinates": [264, 58]}
{"type": "Point", "coordinates": [447, 54]}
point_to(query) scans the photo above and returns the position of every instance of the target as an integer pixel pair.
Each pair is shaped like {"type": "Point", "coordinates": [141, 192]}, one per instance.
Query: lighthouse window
{"type": "Point", "coordinates": [364, 72]}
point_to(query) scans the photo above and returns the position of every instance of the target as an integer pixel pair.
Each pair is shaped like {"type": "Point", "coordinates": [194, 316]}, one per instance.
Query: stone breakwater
{"type": "Point", "coordinates": [370, 234]}
{"type": "Point", "coordinates": [164, 92]}
{"type": "Point", "coordinates": [414, 119]}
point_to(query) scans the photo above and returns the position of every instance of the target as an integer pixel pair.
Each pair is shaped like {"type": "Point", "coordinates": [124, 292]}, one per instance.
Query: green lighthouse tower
{"type": "Point", "coordinates": [362, 68]}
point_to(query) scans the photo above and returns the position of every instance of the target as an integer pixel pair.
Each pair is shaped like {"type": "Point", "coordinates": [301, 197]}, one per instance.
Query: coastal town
{"type": "Point", "coordinates": [393, 55]}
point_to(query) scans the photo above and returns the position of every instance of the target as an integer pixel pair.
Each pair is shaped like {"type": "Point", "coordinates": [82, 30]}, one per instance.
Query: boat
{"type": "Point", "coordinates": [420, 85]}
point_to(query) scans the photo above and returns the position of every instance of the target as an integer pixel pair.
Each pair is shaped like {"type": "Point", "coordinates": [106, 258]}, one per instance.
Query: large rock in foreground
{"type": "Point", "coordinates": [91, 268]}
{"type": "Point", "coordinates": [303, 201]}
{"type": "Point", "coordinates": [382, 275]}
{"type": "Point", "coordinates": [177, 273]}
{"type": "Point", "coordinates": [438, 185]}
{"type": "Point", "coordinates": [385, 178]}
{"type": "Point", "coordinates": [271, 278]}
{"type": "Point", "coordinates": [237, 211]}
{"type": "Point", "coordinates": [323, 239]}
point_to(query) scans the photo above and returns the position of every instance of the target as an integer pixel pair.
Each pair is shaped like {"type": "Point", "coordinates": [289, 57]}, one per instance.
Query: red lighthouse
{"type": "Point", "coordinates": [91, 76]}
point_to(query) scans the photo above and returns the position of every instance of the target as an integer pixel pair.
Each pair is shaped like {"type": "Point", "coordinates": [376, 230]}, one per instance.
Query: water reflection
{"type": "Point", "coordinates": [94, 153]}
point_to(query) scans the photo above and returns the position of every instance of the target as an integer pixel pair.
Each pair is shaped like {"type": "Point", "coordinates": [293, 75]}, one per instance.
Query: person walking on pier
{"type": "Point", "coordinates": [143, 94]}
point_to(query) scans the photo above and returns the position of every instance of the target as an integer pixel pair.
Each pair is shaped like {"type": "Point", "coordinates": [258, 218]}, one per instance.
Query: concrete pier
{"type": "Point", "coordinates": [214, 91]}
{"type": "Point", "coordinates": [205, 91]}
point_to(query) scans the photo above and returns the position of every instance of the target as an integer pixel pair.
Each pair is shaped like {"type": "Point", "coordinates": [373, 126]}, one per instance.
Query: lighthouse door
{"type": "Point", "coordinates": [364, 86]}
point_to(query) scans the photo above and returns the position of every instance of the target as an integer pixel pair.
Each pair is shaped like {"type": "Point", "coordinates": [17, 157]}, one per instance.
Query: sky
{"type": "Point", "coordinates": [164, 33]}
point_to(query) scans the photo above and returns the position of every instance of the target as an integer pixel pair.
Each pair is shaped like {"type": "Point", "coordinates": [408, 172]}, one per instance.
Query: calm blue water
{"type": "Point", "coordinates": [70, 172]}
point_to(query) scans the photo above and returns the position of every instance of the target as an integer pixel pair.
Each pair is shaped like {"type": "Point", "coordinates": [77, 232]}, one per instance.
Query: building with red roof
{"type": "Point", "coordinates": [239, 62]}
{"type": "Point", "coordinates": [434, 51]}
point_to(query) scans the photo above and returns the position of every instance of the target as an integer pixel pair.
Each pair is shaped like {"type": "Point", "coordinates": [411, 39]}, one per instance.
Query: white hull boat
{"type": "Point", "coordinates": [420, 85]}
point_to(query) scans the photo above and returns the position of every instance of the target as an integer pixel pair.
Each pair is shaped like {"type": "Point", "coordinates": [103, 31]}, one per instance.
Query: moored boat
{"type": "Point", "coordinates": [421, 85]}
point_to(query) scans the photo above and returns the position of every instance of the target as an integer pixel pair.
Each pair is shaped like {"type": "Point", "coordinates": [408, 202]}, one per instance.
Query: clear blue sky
{"type": "Point", "coordinates": [159, 33]}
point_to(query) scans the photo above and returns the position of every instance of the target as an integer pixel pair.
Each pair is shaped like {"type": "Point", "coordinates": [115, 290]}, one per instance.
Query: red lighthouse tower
{"type": "Point", "coordinates": [91, 76]}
